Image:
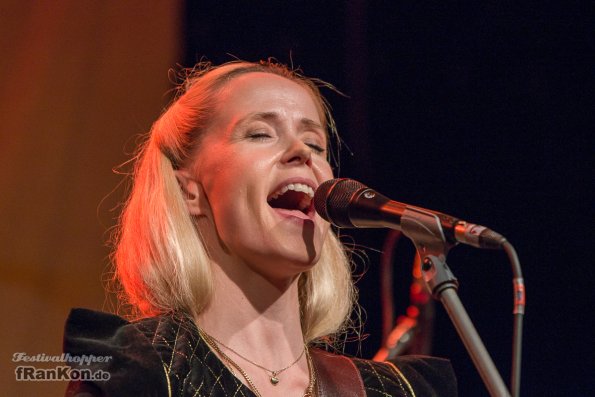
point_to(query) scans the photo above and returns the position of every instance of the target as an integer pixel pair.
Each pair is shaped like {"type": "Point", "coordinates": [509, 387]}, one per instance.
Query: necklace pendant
{"type": "Point", "coordinates": [274, 380]}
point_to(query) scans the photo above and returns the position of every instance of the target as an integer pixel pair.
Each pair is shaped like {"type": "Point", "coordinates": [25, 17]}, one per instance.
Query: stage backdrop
{"type": "Point", "coordinates": [80, 79]}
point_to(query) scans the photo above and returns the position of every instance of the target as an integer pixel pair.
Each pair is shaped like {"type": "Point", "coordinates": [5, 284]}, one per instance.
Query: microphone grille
{"type": "Point", "coordinates": [332, 199]}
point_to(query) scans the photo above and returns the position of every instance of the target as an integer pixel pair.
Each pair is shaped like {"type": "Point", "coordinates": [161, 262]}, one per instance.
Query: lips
{"type": "Point", "coordinates": [293, 196]}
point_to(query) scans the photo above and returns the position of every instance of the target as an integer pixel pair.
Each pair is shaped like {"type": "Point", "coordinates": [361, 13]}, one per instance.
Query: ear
{"type": "Point", "coordinates": [192, 192]}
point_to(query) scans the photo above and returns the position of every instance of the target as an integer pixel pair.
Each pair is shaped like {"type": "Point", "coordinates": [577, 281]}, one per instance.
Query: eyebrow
{"type": "Point", "coordinates": [273, 117]}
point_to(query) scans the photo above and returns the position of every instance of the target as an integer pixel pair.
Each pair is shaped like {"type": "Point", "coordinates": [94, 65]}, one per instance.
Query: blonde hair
{"type": "Point", "coordinates": [161, 261]}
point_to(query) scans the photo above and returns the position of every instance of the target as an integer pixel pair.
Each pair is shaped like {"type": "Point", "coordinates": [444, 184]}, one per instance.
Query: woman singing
{"type": "Point", "coordinates": [232, 275]}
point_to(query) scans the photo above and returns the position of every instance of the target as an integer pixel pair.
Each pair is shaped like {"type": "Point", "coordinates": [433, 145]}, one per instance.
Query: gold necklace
{"type": "Point", "coordinates": [212, 342]}
{"type": "Point", "coordinates": [310, 391]}
{"type": "Point", "coordinates": [273, 377]}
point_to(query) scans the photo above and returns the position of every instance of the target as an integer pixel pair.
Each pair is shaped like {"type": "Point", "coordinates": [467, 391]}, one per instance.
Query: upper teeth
{"type": "Point", "coordinates": [298, 187]}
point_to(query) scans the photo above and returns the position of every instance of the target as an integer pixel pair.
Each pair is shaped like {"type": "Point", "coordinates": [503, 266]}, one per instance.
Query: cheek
{"type": "Point", "coordinates": [220, 171]}
{"type": "Point", "coordinates": [233, 183]}
{"type": "Point", "coordinates": [217, 178]}
{"type": "Point", "coordinates": [323, 170]}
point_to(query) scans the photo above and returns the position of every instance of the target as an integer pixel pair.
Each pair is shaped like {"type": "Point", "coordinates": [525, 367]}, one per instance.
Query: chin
{"type": "Point", "coordinates": [297, 263]}
{"type": "Point", "coordinates": [303, 255]}
{"type": "Point", "coordinates": [288, 264]}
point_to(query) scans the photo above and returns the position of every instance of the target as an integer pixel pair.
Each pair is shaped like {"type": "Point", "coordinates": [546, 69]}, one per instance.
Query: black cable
{"type": "Point", "coordinates": [518, 312]}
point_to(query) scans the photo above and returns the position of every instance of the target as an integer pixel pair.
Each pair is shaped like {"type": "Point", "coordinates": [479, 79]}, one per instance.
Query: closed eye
{"type": "Point", "coordinates": [316, 148]}
{"type": "Point", "coordinates": [259, 135]}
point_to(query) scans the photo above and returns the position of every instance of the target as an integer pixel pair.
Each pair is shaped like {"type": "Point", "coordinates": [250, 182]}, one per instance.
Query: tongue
{"type": "Point", "coordinates": [290, 200]}
{"type": "Point", "coordinates": [292, 213]}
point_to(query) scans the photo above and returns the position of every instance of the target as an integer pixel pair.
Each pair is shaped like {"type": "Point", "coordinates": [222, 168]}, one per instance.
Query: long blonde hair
{"type": "Point", "coordinates": [161, 261]}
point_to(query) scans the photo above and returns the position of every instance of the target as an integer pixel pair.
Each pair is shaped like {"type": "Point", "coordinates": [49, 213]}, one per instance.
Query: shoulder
{"type": "Point", "coordinates": [156, 356]}
{"type": "Point", "coordinates": [406, 376]}
{"type": "Point", "coordinates": [124, 358]}
{"type": "Point", "coordinates": [409, 375]}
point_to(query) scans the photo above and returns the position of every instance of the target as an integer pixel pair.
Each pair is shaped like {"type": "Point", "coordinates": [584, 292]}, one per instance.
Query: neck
{"type": "Point", "coordinates": [247, 311]}
{"type": "Point", "coordinates": [259, 318]}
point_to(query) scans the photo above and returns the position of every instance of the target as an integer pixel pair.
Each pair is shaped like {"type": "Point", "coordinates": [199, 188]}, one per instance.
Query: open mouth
{"type": "Point", "coordinates": [293, 196]}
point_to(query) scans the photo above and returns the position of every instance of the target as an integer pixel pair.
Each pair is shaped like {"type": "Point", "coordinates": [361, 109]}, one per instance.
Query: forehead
{"type": "Point", "coordinates": [267, 92]}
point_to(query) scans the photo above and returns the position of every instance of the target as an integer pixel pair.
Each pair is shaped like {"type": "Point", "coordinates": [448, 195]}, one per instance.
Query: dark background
{"type": "Point", "coordinates": [480, 110]}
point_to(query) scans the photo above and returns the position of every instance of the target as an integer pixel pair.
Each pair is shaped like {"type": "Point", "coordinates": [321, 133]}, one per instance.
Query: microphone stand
{"type": "Point", "coordinates": [425, 230]}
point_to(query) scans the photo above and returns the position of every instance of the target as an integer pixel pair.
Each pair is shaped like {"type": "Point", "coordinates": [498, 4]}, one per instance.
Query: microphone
{"type": "Point", "coordinates": [350, 204]}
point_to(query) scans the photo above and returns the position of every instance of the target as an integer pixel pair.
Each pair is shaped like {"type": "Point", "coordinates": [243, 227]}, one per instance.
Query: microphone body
{"type": "Point", "coordinates": [350, 204]}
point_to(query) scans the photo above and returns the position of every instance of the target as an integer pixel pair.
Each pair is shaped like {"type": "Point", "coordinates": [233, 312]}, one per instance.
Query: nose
{"type": "Point", "coordinates": [297, 153]}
